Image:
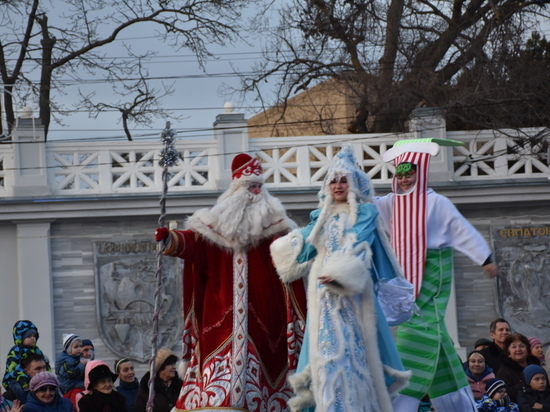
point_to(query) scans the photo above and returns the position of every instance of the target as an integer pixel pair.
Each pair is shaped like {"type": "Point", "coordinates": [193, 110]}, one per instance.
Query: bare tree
{"type": "Point", "coordinates": [139, 102]}
{"type": "Point", "coordinates": [34, 39]}
{"type": "Point", "coordinates": [393, 56]}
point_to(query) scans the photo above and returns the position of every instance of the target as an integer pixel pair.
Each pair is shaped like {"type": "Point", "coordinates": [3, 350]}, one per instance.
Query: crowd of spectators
{"type": "Point", "coordinates": [79, 383]}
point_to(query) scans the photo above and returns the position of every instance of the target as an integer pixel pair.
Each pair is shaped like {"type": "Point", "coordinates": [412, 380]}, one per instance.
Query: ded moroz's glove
{"type": "Point", "coordinates": [161, 233]}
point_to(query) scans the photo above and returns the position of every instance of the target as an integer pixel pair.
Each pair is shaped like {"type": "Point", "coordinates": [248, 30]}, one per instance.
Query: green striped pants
{"type": "Point", "coordinates": [423, 342]}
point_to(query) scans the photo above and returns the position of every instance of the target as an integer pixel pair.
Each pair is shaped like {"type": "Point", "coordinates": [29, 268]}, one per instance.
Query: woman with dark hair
{"type": "Point", "coordinates": [516, 356]}
{"type": "Point", "coordinates": [128, 383]}
{"type": "Point", "coordinates": [167, 384]}
{"type": "Point", "coordinates": [478, 373]}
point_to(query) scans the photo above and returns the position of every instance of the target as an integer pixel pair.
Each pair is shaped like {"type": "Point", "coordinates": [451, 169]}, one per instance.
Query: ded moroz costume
{"type": "Point", "coordinates": [243, 327]}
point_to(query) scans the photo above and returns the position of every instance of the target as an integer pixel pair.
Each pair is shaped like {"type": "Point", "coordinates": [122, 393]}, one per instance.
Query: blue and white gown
{"type": "Point", "coordinates": [348, 361]}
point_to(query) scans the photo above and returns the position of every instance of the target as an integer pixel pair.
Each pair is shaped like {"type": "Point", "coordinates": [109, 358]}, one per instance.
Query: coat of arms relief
{"type": "Point", "coordinates": [125, 294]}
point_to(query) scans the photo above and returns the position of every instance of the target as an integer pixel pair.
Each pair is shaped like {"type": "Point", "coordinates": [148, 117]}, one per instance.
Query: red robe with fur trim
{"type": "Point", "coordinates": [243, 327]}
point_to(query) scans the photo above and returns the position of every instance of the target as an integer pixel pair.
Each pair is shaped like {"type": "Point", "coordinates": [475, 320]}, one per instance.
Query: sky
{"type": "Point", "coordinates": [198, 92]}
{"type": "Point", "coordinates": [198, 95]}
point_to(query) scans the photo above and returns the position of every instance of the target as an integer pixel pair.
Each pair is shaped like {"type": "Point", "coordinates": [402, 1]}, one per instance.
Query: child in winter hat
{"type": "Point", "coordinates": [535, 395]}
{"type": "Point", "coordinates": [69, 365]}
{"type": "Point", "coordinates": [496, 398]}
{"type": "Point", "coordinates": [25, 337]}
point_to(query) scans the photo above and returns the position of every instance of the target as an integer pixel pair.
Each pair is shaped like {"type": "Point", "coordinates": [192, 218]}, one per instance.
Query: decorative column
{"type": "Point", "coordinates": [34, 274]}
{"type": "Point", "coordinates": [30, 283]}
{"type": "Point", "coordinates": [29, 147]}
{"type": "Point", "coordinates": [231, 133]}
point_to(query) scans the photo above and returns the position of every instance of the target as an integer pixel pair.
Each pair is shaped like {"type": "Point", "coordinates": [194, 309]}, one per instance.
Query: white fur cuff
{"type": "Point", "coordinates": [401, 380]}
{"type": "Point", "coordinates": [284, 252]}
{"type": "Point", "coordinates": [301, 383]}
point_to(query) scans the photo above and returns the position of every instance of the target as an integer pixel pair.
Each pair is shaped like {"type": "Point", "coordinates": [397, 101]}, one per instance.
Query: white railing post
{"type": "Point", "coordinates": [231, 134]}
{"type": "Point", "coordinates": [428, 122]}
{"type": "Point", "coordinates": [501, 156]}
{"type": "Point", "coordinates": [29, 149]}
{"type": "Point", "coordinates": [304, 166]}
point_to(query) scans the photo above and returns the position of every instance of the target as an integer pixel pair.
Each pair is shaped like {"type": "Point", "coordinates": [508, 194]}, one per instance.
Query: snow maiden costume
{"type": "Point", "coordinates": [349, 361]}
{"type": "Point", "coordinates": [243, 327]}
{"type": "Point", "coordinates": [424, 228]}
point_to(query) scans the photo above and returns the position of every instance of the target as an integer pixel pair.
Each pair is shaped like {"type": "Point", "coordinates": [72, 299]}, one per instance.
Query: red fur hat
{"type": "Point", "coordinates": [245, 168]}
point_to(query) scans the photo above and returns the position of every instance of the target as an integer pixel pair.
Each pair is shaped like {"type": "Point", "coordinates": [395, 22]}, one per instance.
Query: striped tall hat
{"type": "Point", "coordinates": [409, 225]}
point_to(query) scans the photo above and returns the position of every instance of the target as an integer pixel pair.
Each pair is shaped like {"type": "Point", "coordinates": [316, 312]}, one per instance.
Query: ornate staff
{"type": "Point", "coordinates": [168, 157]}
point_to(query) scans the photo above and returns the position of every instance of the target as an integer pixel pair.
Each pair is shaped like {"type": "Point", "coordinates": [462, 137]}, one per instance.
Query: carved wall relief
{"type": "Point", "coordinates": [523, 286]}
{"type": "Point", "coordinates": [125, 293]}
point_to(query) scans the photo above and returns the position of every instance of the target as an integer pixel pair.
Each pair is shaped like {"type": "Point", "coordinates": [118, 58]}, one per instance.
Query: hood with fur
{"type": "Point", "coordinates": [360, 189]}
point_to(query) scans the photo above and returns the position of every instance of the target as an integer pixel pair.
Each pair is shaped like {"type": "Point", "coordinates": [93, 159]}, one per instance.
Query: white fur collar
{"type": "Point", "coordinates": [204, 223]}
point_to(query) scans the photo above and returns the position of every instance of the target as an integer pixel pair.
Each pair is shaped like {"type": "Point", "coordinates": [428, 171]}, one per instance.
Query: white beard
{"type": "Point", "coordinates": [241, 218]}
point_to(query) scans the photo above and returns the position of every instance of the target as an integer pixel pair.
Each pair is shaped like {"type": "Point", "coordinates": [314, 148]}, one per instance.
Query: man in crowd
{"type": "Point", "coordinates": [33, 364]}
{"type": "Point", "coordinates": [499, 330]}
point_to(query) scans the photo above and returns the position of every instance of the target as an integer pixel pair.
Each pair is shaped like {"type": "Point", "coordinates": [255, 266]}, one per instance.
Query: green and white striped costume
{"type": "Point", "coordinates": [425, 228]}
{"type": "Point", "coordinates": [423, 342]}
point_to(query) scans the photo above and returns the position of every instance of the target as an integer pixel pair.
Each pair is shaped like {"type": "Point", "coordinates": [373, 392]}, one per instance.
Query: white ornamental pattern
{"type": "Point", "coordinates": [216, 387]}
{"type": "Point", "coordinates": [240, 326]}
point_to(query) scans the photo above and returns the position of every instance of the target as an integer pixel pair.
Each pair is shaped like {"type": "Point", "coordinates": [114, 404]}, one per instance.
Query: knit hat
{"type": "Point", "coordinates": [245, 168]}
{"type": "Point", "coordinates": [482, 341]}
{"type": "Point", "coordinates": [98, 373]}
{"type": "Point", "coordinates": [493, 386]}
{"type": "Point", "coordinates": [532, 370]}
{"type": "Point", "coordinates": [87, 342]}
{"type": "Point", "coordinates": [26, 334]}
{"type": "Point", "coordinates": [164, 357]}
{"type": "Point", "coordinates": [43, 379]}
{"type": "Point", "coordinates": [534, 342]}
{"type": "Point", "coordinates": [68, 340]}
{"type": "Point", "coordinates": [476, 351]}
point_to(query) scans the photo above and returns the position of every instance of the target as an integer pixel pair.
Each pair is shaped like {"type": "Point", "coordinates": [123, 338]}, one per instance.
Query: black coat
{"type": "Point", "coordinates": [96, 401]}
{"type": "Point", "coordinates": [511, 373]}
{"type": "Point", "coordinates": [492, 355]}
{"type": "Point", "coordinates": [528, 397]}
{"type": "Point", "coordinates": [165, 396]}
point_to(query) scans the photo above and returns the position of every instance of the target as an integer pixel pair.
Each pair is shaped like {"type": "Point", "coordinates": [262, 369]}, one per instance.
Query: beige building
{"type": "Point", "coordinates": [324, 109]}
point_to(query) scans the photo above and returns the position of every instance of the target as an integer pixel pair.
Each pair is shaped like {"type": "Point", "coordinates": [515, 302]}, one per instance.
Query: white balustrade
{"type": "Point", "coordinates": [132, 167]}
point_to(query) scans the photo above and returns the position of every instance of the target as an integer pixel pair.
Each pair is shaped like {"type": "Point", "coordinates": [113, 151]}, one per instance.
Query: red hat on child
{"type": "Point", "coordinates": [245, 168]}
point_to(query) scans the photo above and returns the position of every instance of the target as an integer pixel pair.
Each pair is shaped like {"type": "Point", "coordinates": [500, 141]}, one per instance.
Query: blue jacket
{"type": "Point", "coordinates": [14, 373]}
{"type": "Point", "coordinates": [69, 371]}
{"type": "Point", "coordinates": [59, 404]}
{"type": "Point", "coordinates": [486, 404]}
{"type": "Point", "coordinates": [130, 391]}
